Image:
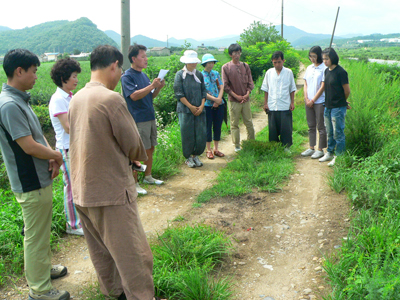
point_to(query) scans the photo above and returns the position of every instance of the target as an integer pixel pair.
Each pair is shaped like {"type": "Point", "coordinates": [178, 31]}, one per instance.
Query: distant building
{"type": "Point", "coordinates": [202, 47]}
{"type": "Point", "coordinates": [81, 56]}
{"type": "Point", "coordinates": [159, 51]}
{"type": "Point", "coordinates": [364, 41]}
{"type": "Point", "coordinates": [392, 40]}
{"type": "Point", "coordinates": [221, 49]}
{"type": "Point", "coordinates": [50, 56]}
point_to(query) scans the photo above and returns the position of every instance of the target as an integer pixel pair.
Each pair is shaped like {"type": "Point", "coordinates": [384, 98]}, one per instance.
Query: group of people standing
{"type": "Point", "coordinates": [97, 143]}
{"type": "Point", "coordinates": [101, 137]}
{"type": "Point", "coordinates": [326, 89]}
{"type": "Point", "coordinates": [201, 106]}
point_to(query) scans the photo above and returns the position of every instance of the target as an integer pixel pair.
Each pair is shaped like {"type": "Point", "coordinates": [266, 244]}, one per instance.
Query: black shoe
{"type": "Point", "coordinates": [122, 296]}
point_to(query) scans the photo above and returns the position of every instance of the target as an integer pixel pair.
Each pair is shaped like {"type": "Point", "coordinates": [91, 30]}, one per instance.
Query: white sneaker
{"type": "Point", "coordinates": [287, 150]}
{"type": "Point", "coordinates": [308, 152]}
{"type": "Point", "coordinates": [317, 154]}
{"type": "Point", "coordinates": [328, 156]}
{"type": "Point", "coordinates": [150, 180]}
{"type": "Point", "coordinates": [140, 190]}
{"type": "Point", "coordinates": [190, 162]}
{"type": "Point", "coordinates": [237, 149]}
{"type": "Point", "coordinates": [332, 162]}
{"type": "Point", "coordinates": [197, 161]}
{"type": "Point", "coordinates": [78, 231]}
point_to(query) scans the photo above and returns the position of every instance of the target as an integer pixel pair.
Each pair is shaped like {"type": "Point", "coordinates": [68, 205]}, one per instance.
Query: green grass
{"type": "Point", "coordinates": [261, 164]}
{"type": "Point", "coordinates": [368, 263]}
{"type": "Point", "coordinates": [185, 259]}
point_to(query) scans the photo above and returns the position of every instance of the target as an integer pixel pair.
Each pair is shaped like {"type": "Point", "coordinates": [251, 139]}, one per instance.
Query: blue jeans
{"type": "Point", "coordinates": [334, 123]}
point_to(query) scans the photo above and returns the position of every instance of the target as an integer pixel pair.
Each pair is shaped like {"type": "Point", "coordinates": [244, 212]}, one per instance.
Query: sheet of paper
{"type": "Point", "coordinates": [161, 75]}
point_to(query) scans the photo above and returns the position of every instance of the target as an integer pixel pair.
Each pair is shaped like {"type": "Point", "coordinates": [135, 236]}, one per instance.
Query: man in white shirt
{"type": "Point", "coordinates": [279, 88]}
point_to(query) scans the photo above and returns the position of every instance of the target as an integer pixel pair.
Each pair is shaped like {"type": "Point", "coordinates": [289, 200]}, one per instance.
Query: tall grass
{"type": "Point", "coordinates": [11, 224]}
{"type": "Point", "coordinates": [367, 266]}
{"type": "Point", "coordinates": [373, 120]}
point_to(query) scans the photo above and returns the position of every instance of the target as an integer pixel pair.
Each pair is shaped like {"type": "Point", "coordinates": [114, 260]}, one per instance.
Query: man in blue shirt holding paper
{"type": "Point", "coordinates": [139, 93]}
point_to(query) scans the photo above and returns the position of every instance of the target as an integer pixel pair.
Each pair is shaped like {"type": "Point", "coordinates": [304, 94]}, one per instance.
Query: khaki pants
{"type": "Point", "coordinates": [119, 250]}
{"type": "Point", "coordinates": [235, 111]}
{"type": "Point", "coordinates": [37, 212]}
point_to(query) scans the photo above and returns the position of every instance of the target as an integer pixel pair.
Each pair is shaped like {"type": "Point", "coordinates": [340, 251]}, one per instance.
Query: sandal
{"type": "Point", "coordinates": [218, 153]}
{"type": "Point", "coordinates": [210, 155]}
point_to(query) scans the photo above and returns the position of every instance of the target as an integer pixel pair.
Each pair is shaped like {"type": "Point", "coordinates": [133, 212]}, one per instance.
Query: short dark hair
{"type": "Point", "coordinates": [317, 50]}
{"type": "Point", "coordinates": [277, 55]}
{"type": "Point", "coordinates": [19, 58]}
{"type": "Point", "coordinates": [234, 47]}
{"type": "Point", "coordinates": [63, 69]}
{"type": "Point", "coordinates": [331, 53]}
{"type": "Point", "coordinates": [134, 51]}
{"type": "Point", "coordinates": [105, 55]}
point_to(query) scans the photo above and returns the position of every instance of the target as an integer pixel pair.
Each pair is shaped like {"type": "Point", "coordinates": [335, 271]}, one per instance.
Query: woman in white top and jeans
{"type": "Point", "coordinates": [314, 98]}
{"type": "Point", "coordinates": [65, 75]}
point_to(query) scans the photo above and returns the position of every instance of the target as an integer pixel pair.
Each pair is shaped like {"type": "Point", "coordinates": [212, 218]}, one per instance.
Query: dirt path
{"type": "Point", "coordinates": [279, 258]}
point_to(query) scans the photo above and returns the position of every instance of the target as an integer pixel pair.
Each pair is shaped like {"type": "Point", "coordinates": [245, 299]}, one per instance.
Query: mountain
{"type": "Point", "coordinates": [298, 37]}
{"type": "Point", "coordinates": [115, 36]}
{"type": "Point", "coordinates": [140, 39]}
{"type": "Point", "coordinates": [56, 36]}
{"type": "Point", "coordinates": [150, 43]}
{"type": "Point", "coordinates": [4, 28]}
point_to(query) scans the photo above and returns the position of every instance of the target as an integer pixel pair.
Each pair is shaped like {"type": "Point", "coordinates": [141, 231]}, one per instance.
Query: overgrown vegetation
{"type": "Point", "coordinates": [11, 223]}
{"type": "Point", "coordinates": [368, 264]}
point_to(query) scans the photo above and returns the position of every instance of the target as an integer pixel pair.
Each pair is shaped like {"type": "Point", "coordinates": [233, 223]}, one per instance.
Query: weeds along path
{"type": "Point", "coordinates": [162, 205]}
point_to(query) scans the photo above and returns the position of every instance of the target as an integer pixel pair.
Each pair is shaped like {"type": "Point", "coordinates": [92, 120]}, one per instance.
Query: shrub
{"type": "Point", "coordinates": [259, 57]}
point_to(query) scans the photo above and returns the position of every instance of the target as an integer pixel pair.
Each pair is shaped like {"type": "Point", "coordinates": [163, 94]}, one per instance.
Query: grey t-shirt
{"type": "Point", "coordinates": [26, 173]}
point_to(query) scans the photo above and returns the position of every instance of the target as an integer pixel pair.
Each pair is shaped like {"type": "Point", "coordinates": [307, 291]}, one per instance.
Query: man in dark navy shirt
{"type": "Point", "coordinates": [139, 93]}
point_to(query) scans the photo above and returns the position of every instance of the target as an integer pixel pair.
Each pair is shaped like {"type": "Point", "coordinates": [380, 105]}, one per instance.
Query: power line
{"type": "Point", "coordinates": [246, 12]}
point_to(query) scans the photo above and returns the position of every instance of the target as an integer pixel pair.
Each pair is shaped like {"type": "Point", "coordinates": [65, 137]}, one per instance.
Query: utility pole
{"type": "Point", "coordinates": [334, 27]}
{"type": "Point", "coordinates": [125, 31]}
{"type": "Point", "coordinates": [282, 21]}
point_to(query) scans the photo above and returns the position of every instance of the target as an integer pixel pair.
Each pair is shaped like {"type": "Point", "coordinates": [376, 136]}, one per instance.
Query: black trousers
{"type": "Point", "coordinates": [280, 125]}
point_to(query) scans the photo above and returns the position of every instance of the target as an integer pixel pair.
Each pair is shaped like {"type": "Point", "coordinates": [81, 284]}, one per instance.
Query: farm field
{"type": "Point", "coordinates": [386, 53]}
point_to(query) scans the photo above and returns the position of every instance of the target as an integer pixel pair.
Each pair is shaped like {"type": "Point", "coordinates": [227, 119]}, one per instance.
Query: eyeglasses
{"type": "Point", "coordinates": [313, 56]}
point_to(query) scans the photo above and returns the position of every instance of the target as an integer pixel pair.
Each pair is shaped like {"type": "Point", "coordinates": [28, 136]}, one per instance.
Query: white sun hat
{"type": "Point", "coordinates": [190, 57]}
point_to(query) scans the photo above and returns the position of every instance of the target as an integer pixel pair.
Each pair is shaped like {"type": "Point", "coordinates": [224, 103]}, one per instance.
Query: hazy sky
{"type": "Point", "coordinates": [209, 18]}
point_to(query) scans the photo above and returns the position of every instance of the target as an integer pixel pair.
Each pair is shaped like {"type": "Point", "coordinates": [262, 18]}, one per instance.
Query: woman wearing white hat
{"type": "Point", "coordinates": [191, 93]}
{"type": "Point", "coordinates": [214, 104]}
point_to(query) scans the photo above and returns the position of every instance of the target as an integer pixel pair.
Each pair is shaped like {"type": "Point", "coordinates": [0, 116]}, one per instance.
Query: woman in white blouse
{"type": "Point", "coordinates": [314, 98]}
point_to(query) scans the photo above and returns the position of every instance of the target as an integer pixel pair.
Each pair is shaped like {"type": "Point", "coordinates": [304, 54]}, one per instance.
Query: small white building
{"type": "Point", "coordinates": [82, 55]}
{"type": "Point", "coordinates": [51, 56]}
{"type": "Point", "coordinates": [221, 49]}
{"type": "Point", "coordinates": [391, 40]}
{"type": "Point", "coordinates": [364, 41]}
{"type": "Point", "coordinates": [159, 51]}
